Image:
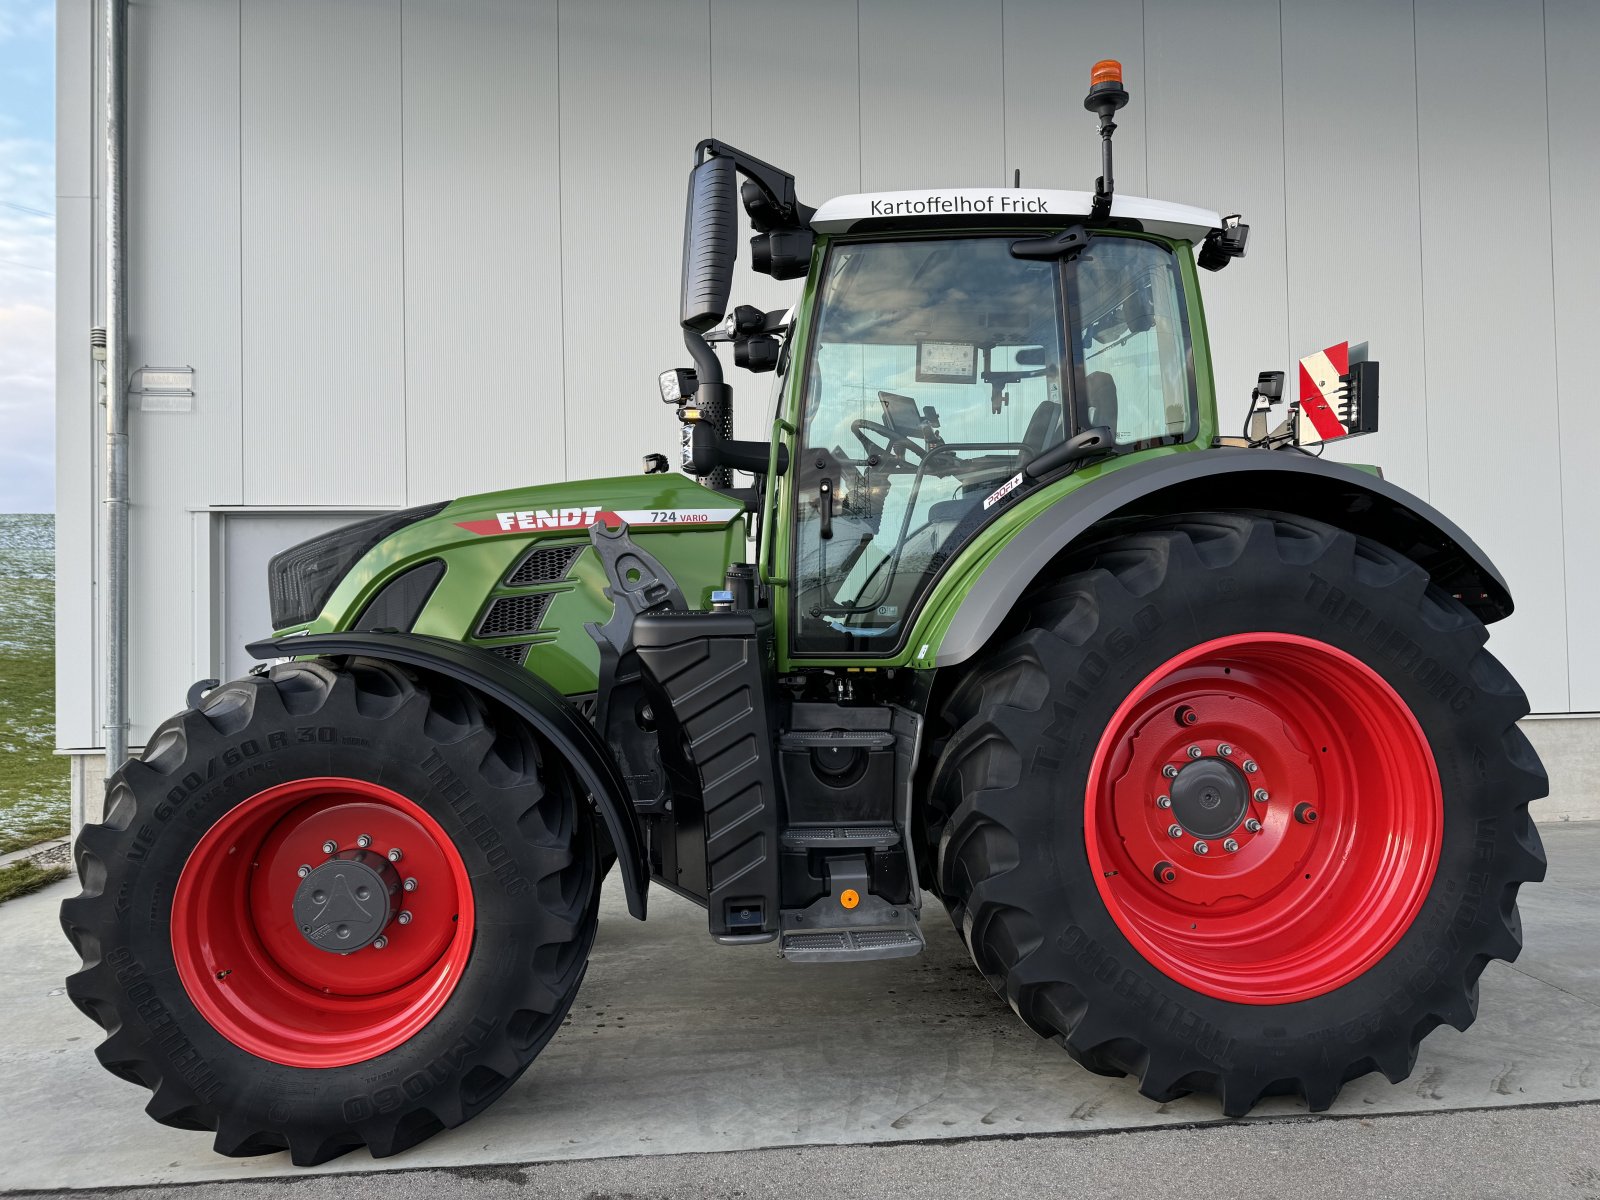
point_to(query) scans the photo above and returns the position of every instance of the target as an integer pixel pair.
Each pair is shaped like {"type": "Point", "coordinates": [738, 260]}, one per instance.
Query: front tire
{"type": "Point", "coordinates": [1239, 805]}
{"type": "Point", "coordinates": [337, 905]}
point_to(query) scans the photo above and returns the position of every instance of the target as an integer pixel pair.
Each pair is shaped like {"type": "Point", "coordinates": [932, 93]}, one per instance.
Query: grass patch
{"type": "Point", "coordinates": [23, 877]}
{"type": "Point", "coordinates": [34, 789]}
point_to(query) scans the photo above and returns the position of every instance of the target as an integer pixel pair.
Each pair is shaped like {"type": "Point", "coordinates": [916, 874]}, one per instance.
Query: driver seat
{"type": "Point", "coordinates": [1044, 427]}
{"type": "Point", "coordinates": [1102, 399]}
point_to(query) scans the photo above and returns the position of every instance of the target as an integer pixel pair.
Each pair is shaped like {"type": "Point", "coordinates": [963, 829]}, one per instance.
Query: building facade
{"type": "Point", "coordinates": [416, 248]}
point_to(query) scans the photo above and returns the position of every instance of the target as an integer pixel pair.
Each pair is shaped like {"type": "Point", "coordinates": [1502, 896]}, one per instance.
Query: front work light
{"type": "Point", "coordinates": [678, 384]}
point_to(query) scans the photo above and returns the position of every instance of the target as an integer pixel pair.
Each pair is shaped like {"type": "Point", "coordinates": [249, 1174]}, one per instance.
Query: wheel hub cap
{"type": "Point", "coordinates": [1210, 797]}
{"type": "Point", "coordinates": [347, 902]}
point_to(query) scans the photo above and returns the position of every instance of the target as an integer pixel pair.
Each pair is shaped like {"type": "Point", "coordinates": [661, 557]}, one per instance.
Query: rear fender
{"type": "Point", "coordinates": [550, 713]}
{"type": "Point", "coordinates": [1280, 481]}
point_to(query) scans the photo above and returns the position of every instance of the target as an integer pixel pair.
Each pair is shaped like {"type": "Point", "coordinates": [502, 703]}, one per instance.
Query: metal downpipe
{"type": "Point", "coordinates": [115, 594]}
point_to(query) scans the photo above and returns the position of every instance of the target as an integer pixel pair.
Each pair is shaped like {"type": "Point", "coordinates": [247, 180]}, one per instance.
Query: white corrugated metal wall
{"type": "Point", "coordinates": [415, 248]}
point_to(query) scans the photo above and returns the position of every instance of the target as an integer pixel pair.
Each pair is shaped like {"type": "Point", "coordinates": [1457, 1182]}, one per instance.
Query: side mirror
{"type": "Point", "coordinates": [709, 243]}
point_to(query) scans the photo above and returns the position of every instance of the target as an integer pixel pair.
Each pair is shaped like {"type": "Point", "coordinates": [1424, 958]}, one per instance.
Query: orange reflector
{"type": "Point", "coordinates": [1107, 70]}
{"type": "Point", "coordinates": [849, 897]}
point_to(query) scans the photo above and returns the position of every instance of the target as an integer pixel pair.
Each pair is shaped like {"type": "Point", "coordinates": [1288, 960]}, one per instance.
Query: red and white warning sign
{"type": "Point", "coordinates": [1321, 393]}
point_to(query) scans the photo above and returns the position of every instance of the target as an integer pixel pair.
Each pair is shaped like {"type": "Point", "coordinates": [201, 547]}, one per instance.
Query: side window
{"type": "Point", "coordinates": [1135, 372]}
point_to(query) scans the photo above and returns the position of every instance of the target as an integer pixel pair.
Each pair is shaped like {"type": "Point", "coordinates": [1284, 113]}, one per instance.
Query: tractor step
{"type": "Point", "coordinates": [849, 945]}
{"type": "Point", "coordinates": [840, 837]}
{"type": "Point", "coordinates": [849, 924]}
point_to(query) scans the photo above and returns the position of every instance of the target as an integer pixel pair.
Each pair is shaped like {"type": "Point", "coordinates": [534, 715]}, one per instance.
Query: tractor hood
{"type": "Point", "coordinates": [476, 571]}
{"type": "Point", "coordinates": [641, 502]}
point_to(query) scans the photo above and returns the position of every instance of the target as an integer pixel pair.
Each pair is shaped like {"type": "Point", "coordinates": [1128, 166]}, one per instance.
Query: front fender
{"type": "Point", "coordinates": [550, 713]}
{"type": "Point", "coordinates": [1227, 478]}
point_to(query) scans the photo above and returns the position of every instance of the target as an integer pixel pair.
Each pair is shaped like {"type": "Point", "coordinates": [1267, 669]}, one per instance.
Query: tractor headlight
{"type": "Point", "coordinates": [678, 384]}
{"type": "Point", "coordinates": [301, 578]}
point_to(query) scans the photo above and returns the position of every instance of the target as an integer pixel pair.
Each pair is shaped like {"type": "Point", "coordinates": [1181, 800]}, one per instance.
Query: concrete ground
{"type": "Point", "coordinates": [678, 1048]}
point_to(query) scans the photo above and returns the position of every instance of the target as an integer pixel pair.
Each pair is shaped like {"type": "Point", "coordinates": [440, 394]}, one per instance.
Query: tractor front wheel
{"type": "Point", "coordinates": [337, 905]}
{"type": "Point", "coordinates": [1238, 805]}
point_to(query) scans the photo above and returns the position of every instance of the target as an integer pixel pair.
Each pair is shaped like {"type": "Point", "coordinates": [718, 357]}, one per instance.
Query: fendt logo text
{"type": "Point", "coordinates": [549, 518]}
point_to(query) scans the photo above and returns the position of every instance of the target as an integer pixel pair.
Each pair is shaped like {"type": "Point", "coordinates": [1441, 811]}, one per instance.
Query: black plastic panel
{"type": "Point", "coordinates": [709, 676]}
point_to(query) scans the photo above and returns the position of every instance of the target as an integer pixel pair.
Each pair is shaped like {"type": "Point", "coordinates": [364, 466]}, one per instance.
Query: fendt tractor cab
{"type": "Point", "coordinates": [1194, 736]}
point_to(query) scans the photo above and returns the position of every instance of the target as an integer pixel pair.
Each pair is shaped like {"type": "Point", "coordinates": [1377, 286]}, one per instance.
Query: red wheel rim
{"type": "Point", "coordinates": [256, 977]}
{"type": "Point", "coordinates": [1322, 867]}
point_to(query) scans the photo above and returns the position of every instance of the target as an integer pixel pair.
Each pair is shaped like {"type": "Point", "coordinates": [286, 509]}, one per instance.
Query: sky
{"type": "Point", "coordinates": [27, 255]}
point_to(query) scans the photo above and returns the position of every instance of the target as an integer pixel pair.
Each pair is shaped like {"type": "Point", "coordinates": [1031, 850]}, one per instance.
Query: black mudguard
{"type": "Point", "coordinates": [550, 713]}
{"type": "Point", "coordinates": [1228, 478]}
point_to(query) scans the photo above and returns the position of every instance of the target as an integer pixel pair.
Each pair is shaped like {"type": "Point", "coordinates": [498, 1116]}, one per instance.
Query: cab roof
{"type": "Point", "coordinates": [941, 208]}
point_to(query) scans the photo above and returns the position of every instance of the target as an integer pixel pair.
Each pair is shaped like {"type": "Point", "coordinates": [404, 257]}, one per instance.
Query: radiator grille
{"type": "Point", "coordinates": [548, 564]}
{"type": "Point", "coordinates": [509, 616]}
{"type": "Point", "coordinates": [514, 653]}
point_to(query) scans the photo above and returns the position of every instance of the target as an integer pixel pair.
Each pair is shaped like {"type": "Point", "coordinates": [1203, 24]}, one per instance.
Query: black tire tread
{"type": "Point", "coordinates": [976, 852]}
{"type": "Point", "coordinates": [428, 707]}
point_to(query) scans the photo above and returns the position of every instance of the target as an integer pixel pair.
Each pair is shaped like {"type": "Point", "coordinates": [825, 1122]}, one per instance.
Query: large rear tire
{"type": "Point", "coordinates": [338, 905]}
{"type": "Point", "coordinates": [1238, 805]}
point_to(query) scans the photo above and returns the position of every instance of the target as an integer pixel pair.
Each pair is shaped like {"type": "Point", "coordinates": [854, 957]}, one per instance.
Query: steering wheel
{"type": "Point", "coordinates": [896, 443]}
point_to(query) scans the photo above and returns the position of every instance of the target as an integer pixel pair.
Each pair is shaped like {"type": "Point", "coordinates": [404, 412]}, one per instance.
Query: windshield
{"type": "Point", "coordinates": [936, 372]}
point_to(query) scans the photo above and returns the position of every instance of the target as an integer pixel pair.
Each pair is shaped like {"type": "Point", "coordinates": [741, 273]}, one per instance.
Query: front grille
{"type": "Point", "coordinates": [510, 616]}
{"type": "Point", "coordinates": [548, 564]}
{"type": "Point", "coordinates": [515, 652]}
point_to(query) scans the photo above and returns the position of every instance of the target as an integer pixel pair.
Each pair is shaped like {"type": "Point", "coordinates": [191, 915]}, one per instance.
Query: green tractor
{"type": "Point", "coordinates": [1195, 737]}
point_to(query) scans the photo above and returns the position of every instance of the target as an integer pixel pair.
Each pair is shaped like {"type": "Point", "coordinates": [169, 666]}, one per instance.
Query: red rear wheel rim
{"type": "Point", "coordinates": [1314, 793]}
{"type": "Point", "coordinates": [261, 983]}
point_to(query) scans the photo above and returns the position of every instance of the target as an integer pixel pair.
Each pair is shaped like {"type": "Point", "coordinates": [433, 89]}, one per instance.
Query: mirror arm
{"type": "Point", "coordinates": [1088, 443]}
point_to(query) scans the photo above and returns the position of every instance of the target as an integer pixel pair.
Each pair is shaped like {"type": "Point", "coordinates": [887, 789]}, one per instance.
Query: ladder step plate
{"type": "Point", "coordinates": [816, 837]}
{"type": "Point", "coordinates": [850, 945]}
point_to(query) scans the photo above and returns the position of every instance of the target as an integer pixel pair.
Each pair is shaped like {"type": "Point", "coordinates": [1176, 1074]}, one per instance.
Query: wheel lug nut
{"type": "Point", "coordinates": [410, 885]}
{"type": "Point", "coordinates": [404, 918]}
{"type": "Point", "coordinates": [1170, 771]}
{"type": "Point", "coordinates": [1253, 825]}
{"type": "Point", "coordinates": [1230, 845]}
{"type": "Point", "coordinates": [1166, 872]}
{"type": "Point", "coordinates": [395, 855]}
{"type": "Point", "coordinates": [1163, 801]}
{"type": "Point", "coordinates": [364, 840]}
{"type": "Point", "coordinates": [1174, 831]}
{"type": "Point", "coordinates": [303, 871]}
{"type": "Point", "coordinates": [1225, 750]}
{"type": "Point", "coordinates": [1186, 715]}
{"type": "Point", "coordinates": [380, 943]}
{"type": "Point", "coordinates": [1195, 752]}
{"type": "Point", "coordinates": [1305, 814]}
{"type": "Point", "coordinates": [329, 847]}
{"type": "Point", "coordinates": [1201, 848]}
{"type": "Point", "coordinates": [1249, 766]}
{"type": "Point", "coordinates": [1261, 796]}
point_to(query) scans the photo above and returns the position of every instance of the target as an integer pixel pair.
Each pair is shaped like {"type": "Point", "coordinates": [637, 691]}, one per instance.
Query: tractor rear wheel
{"type": "Point", "coordinates": [337, 905]}
{"type": "Point", "coordinates": [1238, 805]}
